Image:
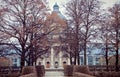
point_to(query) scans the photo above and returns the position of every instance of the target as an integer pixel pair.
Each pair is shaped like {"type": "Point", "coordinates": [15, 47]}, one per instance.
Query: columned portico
{"type": "Point", "coordinates": [55, 56]}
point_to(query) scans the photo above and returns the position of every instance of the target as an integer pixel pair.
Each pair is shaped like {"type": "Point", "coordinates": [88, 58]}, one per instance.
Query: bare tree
{"type": "Point", "coordinates": [105, 35]}
{"type": "Point", "coordinates": [74, 12]}
{"type": "Point", "coordinates": [115, 32]}
{"type": "Point", "coordinates": [68, 39]}
{"type": "Point", "coordinates": [90, 20]}
{"type": "Point", "coordinates": [83, 14]}
{"type": "Point", "coordinates": [3, 37]}
{"type": "Point", "coordinates": [23, 20]}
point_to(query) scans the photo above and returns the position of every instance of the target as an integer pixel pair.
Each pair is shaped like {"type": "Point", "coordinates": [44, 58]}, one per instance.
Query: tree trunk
{"type": "Point", "coordinates": [22, 63]}
{"type": "Point", "coordinates": [117, 60]}
{"type": "Point", "coordinates": [71, 58]}
{"type": "Point", "coordinates": [85, 60]}
{"type": "Point", "coordinates": [78, 59]}
{"type": "Point", "coordinates": [106, 57]}
{"type": "Point", "coordinates": [28, 60]}
{"type": "Point", "coordinates": [77, 43]}
{"type": "Point", "coordinates": [117, 48]}
{"type": "Point", "coordinates": [75, 57]}
{"type": "Point", "coordinates": [22, 56]}
{"type": "Point", "coordinates": [106, 53]}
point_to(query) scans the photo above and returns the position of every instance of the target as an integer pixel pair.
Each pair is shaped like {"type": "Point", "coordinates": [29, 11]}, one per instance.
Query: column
{"type": "Point", "coordinates": [60, 58]}
{"type": "Point", "coordinates": [44, 62]}
{"type": "Point", "coordinates": [68, 61]}
{"type": "Point", "coordinates": [52, 57]}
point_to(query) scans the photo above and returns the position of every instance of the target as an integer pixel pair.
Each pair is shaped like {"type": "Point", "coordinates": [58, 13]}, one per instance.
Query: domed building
{"type": "Point", "coordinates": [57, 57]}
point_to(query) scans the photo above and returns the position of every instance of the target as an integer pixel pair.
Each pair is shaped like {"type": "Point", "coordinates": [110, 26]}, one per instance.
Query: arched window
{"type": "Point", "coordinates": [48, 62]}
{"type": "Point", "coordinates": [56, 62]}
{"type": "Point", "coordinates": [64, 62]}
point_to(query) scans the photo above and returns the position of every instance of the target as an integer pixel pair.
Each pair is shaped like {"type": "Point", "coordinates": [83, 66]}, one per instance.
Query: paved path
{"type": "Point", "coordinates": [55, 74]}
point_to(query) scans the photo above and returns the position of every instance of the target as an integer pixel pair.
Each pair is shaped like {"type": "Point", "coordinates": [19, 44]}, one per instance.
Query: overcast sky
{"type": "Point", "coordinates": [108, 3]}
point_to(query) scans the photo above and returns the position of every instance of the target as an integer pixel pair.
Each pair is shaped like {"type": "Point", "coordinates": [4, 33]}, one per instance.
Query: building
{"type": "Point", "coordinates": [56, 56]}
{"type": "Point", "coordinates": [92, 57]}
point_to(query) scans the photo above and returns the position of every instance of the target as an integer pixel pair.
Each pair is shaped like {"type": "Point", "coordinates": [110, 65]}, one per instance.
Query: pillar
{"type": "Point", "coordinates": [44, 62]}
{"type": "Point", "coordinates": [60, 58]}
{"type": "Point", "coordinates": [52, 57]}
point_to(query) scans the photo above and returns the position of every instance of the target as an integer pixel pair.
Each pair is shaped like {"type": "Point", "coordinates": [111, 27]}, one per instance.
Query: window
{"type": "Point", "coordinates": [15, 60]}
{"type": "Point", "coordinates": [64, 62]}
{"type": "Point", "coordinates": [81, 59]}
{"type": "Point", "coordinates": [15, 64]}
{"type": "Point", "coordinates": [97, 60]}
{"type": "Point", "coordinates": [48, 62]}
{"type": "Point", "coordinates": [56, 62]}
{"type": "Point", "coordinates": [90, 60]}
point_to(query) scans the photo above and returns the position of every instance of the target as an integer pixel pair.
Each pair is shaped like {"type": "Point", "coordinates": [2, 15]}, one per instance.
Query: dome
{"type": "Point", "coordinates": [56, 10]}
{"type": "Point", "coordinates": [61, 16]}
{"type": "Point", "coordinates": [56, 7]}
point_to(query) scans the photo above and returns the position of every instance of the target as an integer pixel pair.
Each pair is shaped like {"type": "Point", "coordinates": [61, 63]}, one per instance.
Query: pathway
{"type": "Point", "coordinates": [55, 74]}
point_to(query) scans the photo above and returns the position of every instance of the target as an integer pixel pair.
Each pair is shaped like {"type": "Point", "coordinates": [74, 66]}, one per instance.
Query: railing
{"type": "Point", "coordinates": [103, 68]}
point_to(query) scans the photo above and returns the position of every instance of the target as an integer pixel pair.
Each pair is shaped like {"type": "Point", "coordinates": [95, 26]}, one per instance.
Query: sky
{"type": "Point", "coordinates": [108, 3]}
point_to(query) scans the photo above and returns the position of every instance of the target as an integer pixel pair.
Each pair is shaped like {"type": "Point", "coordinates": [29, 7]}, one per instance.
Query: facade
{"type": "Point", "coordinates": [56, 57]}
{"type": "Point", "coordinates": [92, 59]}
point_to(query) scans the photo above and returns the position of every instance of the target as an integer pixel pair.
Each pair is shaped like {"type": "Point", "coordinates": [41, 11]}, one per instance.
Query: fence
{"type": "Point", "coordinates": [102, 68]}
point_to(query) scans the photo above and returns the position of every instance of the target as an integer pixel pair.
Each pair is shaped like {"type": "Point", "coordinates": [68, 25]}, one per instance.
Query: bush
{"type": "Point", "coordinates": [10, 75]}
{"type": "Point", "coordinates": [29, 75]}
{"type": "Point", "coordinates": [82, 69]}
{"type": "Point", "coordinates": [28, 70]}
{"type": "Point", "coordinates": [40, 70]}
{"type": "Point", "coordinates": [78, 74]}
{"type": "Point", "coordinates": [108, 74]}
{"type": "Point", "coordinates": [68, 70]}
